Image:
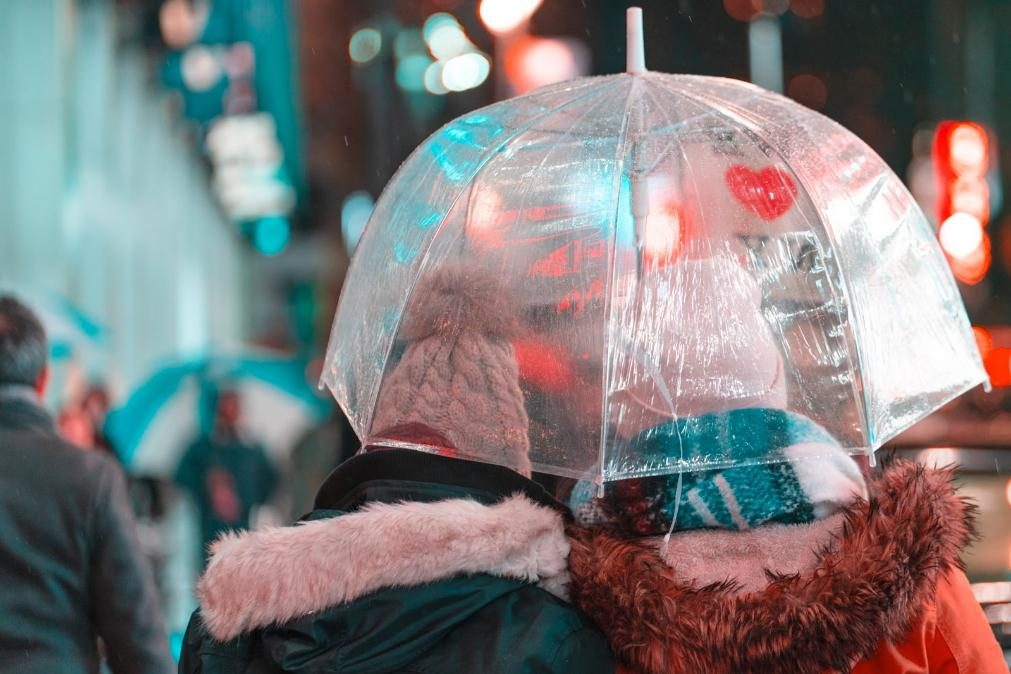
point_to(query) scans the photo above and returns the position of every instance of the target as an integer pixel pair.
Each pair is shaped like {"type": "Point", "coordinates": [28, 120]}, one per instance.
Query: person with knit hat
{"type": "Point", "coordinates": [431, 550]}
{"type": "Point", "coordinates": [774, 551]}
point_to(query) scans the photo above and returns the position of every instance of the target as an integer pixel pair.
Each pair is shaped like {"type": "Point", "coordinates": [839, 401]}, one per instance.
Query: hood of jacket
{"type": "Point", "coordinates": [403, 547]}
{"type": "Point", "coordinates": [865, 581]}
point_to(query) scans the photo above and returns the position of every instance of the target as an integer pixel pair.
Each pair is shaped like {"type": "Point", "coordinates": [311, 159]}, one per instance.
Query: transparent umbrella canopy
{"type": "Point", "coordinates": [680, 247]}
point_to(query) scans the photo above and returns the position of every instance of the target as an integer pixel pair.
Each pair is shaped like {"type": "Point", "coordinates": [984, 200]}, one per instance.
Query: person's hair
{"type": "Point", "coordinates": [23, 347]}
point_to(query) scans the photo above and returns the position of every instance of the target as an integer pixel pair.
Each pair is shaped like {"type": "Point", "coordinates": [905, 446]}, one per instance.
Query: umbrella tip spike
{"type": "Point", "coordinates": [635, 53]}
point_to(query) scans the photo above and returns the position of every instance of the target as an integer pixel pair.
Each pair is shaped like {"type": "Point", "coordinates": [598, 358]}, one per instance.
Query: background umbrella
{"type": "Point", "coordinates": [69, 330]}
{"type": "Point", "coordinates": [165, 413]}
{"type": "Point", "coordinates": [678, 238]}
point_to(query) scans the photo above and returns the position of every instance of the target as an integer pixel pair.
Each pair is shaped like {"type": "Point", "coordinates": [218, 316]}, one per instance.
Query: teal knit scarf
{"type": "Point", "coordinates": [759, 480]}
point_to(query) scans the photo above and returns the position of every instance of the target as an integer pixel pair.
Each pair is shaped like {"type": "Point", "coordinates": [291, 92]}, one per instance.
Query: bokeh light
{"type": "Point", "coordinates": [410, 73]}
{"type": "Point", "coordinates": [742, 10]}
{"type": "Point", "coordinates": [984, 340]}
{"type": "Point", "coordinates": [972, 196]}
{"type": "Point", "coordinates": [533, 62]}
{"type": "Point", "coordinates": [271, 234]}
{"type": "Point", "coordinates": [433, 79]}
{"type": "Point", "coordinates": [445, 36]}
{"type": "Point", "coordinates": [505, 16]}
{"type": "Point", "coordinates": [465, 71]}
{"type": "Point", "coordinates": [180, 22]}
{"type": "Point", "coordinates": [774, 7]}
{"type": "Point", "coordinates": [809, 90]}
{"type": "Point", "coordinates": [807, 9]}
{"type": "Point", "coordinates": [662, 238]}
{"type": "Point", "coordinates": [355, 214]}
{"type": "Point", "coordinates": [968, 149]}
{"type": "Point", "coordinates": [365, 45]}
{"type": "Point", "coordinates": [436, 21]}
{"type": "Point", "coordinates": [961, 234]}
{"type": "Point", "coordinates": [200, 68]}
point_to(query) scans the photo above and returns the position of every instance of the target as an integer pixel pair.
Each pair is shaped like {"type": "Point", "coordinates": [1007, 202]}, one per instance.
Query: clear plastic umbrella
{"type": "Point", "coordinates": [680, 247]}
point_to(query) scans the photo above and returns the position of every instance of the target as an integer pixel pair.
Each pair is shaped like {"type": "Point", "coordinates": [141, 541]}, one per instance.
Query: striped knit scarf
{"type": "Point", "coordinates": [783, 468]}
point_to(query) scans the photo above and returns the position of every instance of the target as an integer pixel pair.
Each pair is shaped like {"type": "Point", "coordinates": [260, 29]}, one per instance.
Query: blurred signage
{"type": "Point", "coordinates": [230, 62]}
{"type": "Point", "coordinates": [961, 160]}
{"type": "Point", "coordinates": [248, 172]}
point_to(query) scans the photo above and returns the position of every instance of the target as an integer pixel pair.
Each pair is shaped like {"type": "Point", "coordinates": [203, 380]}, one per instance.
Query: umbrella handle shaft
{"type": "Point", "coordinates": [635, 53]}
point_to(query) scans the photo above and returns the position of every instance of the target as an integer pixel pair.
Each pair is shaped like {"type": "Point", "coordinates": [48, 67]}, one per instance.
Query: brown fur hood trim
{"type": "Point", "coordinates": [869, 583]}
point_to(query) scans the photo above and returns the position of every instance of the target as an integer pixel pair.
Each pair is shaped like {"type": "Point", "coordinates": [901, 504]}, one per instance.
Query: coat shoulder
{"type": "Point", "coordinates": [527, 630]}
{"type": "Point", "coordinates": [963, 629]}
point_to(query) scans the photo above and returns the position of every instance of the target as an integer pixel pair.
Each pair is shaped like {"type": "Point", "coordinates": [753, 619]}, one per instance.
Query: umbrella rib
{"type": "Point", "coordinates": [619, 162]}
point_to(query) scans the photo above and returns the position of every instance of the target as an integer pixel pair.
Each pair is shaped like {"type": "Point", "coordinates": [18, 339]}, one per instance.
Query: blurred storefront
{"type": "Point", "coordinates": [107, 203]}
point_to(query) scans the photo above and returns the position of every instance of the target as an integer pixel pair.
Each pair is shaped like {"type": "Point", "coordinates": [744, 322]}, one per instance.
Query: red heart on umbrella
{"type": "Point", "coordinates": [768, 193]}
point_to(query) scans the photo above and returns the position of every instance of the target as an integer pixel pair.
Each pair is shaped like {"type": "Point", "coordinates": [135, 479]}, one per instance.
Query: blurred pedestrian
{"type": "Point", "coordinates": [75, 425]}
{"type": "Point", "coordinates": [799, 562]}
{"type": "Point", "coordinates": [435, 560]}
{"type": "Point", "coordinates": [71, 569]}
{"type": "Point", "coordinates": [95, 404]}
{"type": "Point", "coordinates": [226, 475]}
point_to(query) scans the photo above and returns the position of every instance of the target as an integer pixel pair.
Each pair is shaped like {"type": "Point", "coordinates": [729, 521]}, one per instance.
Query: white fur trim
{"type": "Point", "coordinates": [266, 577]}
{"type": "Point", "coordinates": [829, 476]}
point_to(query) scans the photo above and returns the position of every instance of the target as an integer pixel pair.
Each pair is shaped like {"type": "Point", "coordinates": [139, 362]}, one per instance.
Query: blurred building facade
{"type": "Point", "coordinates": [107, 203]}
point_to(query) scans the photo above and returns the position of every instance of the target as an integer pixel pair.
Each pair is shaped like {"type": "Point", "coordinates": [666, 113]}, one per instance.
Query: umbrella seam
{"type": "Point", "coordinates": [615, 202]}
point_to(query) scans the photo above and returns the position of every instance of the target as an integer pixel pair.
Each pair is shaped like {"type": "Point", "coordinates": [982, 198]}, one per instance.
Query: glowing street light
{"type": "Point", "coordinates": [504, 16]}
{"type": "Point", "coordinates": [961, 234]}
{"type": "Point", "coordinates": [465, 71]}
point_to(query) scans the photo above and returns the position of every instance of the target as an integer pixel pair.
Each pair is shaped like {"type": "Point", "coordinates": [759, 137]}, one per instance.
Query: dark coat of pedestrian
{"type": "Point", "coordinates": [411, 562]}
{"type": "Point", "coordinates": [71, 568]}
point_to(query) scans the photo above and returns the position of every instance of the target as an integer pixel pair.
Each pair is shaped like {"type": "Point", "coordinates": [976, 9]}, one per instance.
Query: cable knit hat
{"type": "Point", "coordinates": [458, 375]}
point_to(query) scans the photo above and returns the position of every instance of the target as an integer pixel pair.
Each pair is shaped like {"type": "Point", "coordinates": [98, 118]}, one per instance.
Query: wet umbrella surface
{"type": "Point", "coordinates": [694, 258]}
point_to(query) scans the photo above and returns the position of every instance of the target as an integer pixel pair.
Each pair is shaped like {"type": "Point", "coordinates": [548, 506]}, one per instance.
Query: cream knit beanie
{"type": "Point", "coordinates": [459, 375]}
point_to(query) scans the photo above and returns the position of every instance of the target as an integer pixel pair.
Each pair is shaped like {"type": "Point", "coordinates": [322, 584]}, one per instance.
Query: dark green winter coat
{"type": "Point", "coordinates": [410, 563]}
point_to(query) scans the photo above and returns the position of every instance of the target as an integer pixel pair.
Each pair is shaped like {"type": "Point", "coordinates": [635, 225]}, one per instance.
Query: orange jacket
{"type": "Point", "coordinates": [883, 591]}
{"type": "Point", "coordinates": [951, 637]}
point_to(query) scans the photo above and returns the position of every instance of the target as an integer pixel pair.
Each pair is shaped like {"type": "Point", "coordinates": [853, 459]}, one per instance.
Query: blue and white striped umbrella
{"type": "Point", "coordinates": [171, 408]}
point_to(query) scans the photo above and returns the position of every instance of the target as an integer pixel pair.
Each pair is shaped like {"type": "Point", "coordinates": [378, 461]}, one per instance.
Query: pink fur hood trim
{"type": "Point", "coordinates": [268, 577]}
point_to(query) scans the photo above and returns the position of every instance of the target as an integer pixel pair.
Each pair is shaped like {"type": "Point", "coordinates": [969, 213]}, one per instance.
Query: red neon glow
{"type": "Point", "coordinates": [973, 268]}
{"type": "Point", "coordinates": [968, 150]}
{"type": "Point", "coordinates": [569, 258]}
{"type": "Point", "coordinates": [544, 365]}
{"type": "Point", "coordinates": [961, 157]}
{"type": "Point", "coordinates": [984, 340]}
{"type": "Point", "coordinates": [971, 196]}
{"type": "Point", "coordinates": [998, 365]}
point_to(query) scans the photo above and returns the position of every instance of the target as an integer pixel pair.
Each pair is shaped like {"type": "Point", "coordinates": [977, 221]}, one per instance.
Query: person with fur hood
{"type": "Point", "coordinates": [801, 562]}
{"type": "Point", "coordinates": [448, 559]}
